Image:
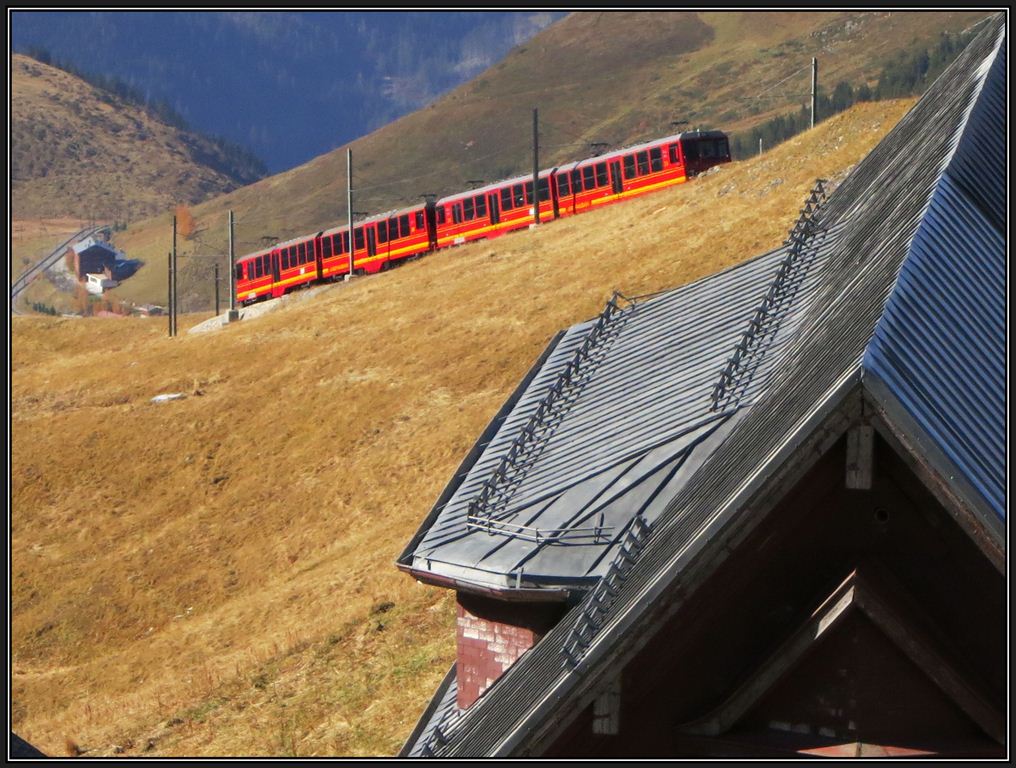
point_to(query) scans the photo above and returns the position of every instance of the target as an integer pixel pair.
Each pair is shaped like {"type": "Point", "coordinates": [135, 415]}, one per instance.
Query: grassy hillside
{"type": "Point", "coordinates": [595, 77]}
{"type": "Point", "coordinates": [77, 150]}
{"type": "Point", "coordinates": [214, 575]}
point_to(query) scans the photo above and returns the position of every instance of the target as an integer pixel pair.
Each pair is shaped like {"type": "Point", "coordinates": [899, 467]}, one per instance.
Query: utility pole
{"type": "Point", "coordinates": [760, 145]}
{"type": "Point", "coordinates": [232, 267]}
{"type": "Point", "coordinates": [169, 292]}
{"type": "Point", "coordinates": [349, 203]}
{"type": "Point", "coordinates": [216, 289]}
{"type": "Point", "coordinates": [536, 167]}
{"type": "Point", "coordinates": [814, 88]}
{"type": "Point", "coordinates": [175, 302]}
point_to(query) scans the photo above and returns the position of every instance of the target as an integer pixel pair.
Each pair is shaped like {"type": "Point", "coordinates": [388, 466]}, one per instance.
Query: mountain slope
{"type": "Point", "coordinates": [215, 575]}
{"type": "Point", "coordinates": [77, 150]}
{"type": "Point", "coordinates": [595, 77]}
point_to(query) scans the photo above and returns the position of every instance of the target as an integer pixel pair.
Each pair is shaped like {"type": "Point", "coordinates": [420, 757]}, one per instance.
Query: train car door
{"type": "Point", "coordinates": [275, 267]}
{"type": "Point", "coordinates": [318, 249]}
{"type": "Point", "coordinates": [494, 204]}
{"type": "Point", "coordinates": [430, 216]}
{"type": "Point", "coordinates": [616, 183]}
{"type": "Point", "coordinates": [371, 242]}
{"type": "Point", "coordinates": [552, 189]}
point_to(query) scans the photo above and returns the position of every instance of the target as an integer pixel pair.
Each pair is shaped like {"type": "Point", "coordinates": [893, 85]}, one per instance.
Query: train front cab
{"type": "Point", "coordinates": [702, 150]}
{"type": "Point", "coordinates": [254, 277]}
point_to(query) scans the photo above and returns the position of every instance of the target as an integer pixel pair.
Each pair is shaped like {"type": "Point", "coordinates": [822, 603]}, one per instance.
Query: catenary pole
{"type": "Point", "coordinates": [169, 294]}
{"type": "Point", "coordinates": [232, 265]}
{"type": "Point", "coordinates": [814, 88]}
{"type": "Point", "coordinates": [536, 167]}
{"type": "Point", "coordinates": [175, 298]}
{"type": "Point", "coordinates": [349, 203]}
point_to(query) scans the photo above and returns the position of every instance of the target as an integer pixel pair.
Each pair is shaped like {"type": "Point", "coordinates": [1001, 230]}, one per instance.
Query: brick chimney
{"type": "Point", "coordinates": [491, 635]}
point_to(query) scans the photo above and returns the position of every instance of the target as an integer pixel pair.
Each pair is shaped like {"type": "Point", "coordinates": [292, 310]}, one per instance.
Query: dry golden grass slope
{"type": "Point", "coordinates": [617, 77]}
{"type": "Point", "coordinates": [214, 575]}
{"type": "Point", "coordinates": [79, 151]}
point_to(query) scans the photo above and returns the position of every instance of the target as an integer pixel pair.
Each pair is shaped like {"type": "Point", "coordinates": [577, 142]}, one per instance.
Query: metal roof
{"type": "Point", "coordinates": [618, 417]}
{"type": "Point", "coordinates": [913, 208]}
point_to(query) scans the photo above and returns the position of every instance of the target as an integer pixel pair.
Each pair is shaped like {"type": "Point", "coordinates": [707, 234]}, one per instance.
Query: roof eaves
{"type": "Point", "coordinates": [936, 470]}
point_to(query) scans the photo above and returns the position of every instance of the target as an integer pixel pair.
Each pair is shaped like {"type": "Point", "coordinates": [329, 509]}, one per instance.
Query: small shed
{"type": "Point", "coordinates": [98, 282]}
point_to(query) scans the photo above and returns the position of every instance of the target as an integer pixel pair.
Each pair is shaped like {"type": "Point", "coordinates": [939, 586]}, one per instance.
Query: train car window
{"type": "Point", "coordinates": [563, 185]}
{"type": "Point", "coordinates": [518, 196]}
{"type": "Point", "coordinates": [602, 179]}
{"type": "Point", "coordinates": [656, 159]}
{"type": "Point", "coordinates": [691, 150]}
{"type": "Point", "coordinates": [238, 271]}
{"type": "Point", "coordinates": [468, 212]}
{"type": "Point", "coordinates": [404, 224]}
{"type": "Point", "coordinates": [529, 191]}
{"type": "Point", "coordinates": [441, 215]}
{"type": "Point", "coordinates": [382, 231]}
{"type": "Point", "coordinates": [481, 206]}
{"type": "Point", "coordinates": [358, 239]}
{"type": "Point", "coordinates": [419, 220]}
{"type": "Point", "coordinates": [345, 242]}
{"type": "Point", "coordinates": [643, 163]}
{"type": "Point", "coordinates": [257, 267]}
{"type": "Point", "coordinates": [724, 148]}
{"type": "Point", "coordinates": [588, 177]}
{"type": "Point", "coordinates": [326, 247]}
{"type": "Point", "coordinates": [576, 181]}
{"type": "Point", "coordinates": [285, 258]}
{"type": "Point", "coordinates": [543, 186]}
{"type": "Point", "coordinates": [506, 199]}
{"type": "Point", "coordinates": [708, 149]}
{"type": "Point", "coordinates": [302, 253]}
{"type": "Point", "coordinates": [456, 214]}
{"type": "Point", "coordinates": [672, 149]}
{"type": "Point", "coordinates": [629, 166]}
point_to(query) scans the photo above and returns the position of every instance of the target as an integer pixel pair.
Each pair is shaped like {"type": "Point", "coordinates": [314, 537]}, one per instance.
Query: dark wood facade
{"type": "Point", "coordinates": [848, 622]}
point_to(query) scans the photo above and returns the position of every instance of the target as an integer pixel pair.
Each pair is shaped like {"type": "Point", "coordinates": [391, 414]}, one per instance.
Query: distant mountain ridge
{"type": "Point", "coordinates": [287, 85]}
{"type": "Point", "coordinates": [80, 150]}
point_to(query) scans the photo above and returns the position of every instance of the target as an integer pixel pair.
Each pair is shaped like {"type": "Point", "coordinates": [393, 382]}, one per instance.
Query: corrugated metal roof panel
{"type": "Point", "coordinates": [940, 347]}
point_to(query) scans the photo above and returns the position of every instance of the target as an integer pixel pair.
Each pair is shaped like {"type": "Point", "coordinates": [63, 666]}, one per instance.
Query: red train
{"type": "Point", "coordinates": [382, 241]}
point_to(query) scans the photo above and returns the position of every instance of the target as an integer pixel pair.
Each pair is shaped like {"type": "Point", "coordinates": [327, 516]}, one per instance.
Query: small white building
{"type": "Point", "coordinates": [98, 282]}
